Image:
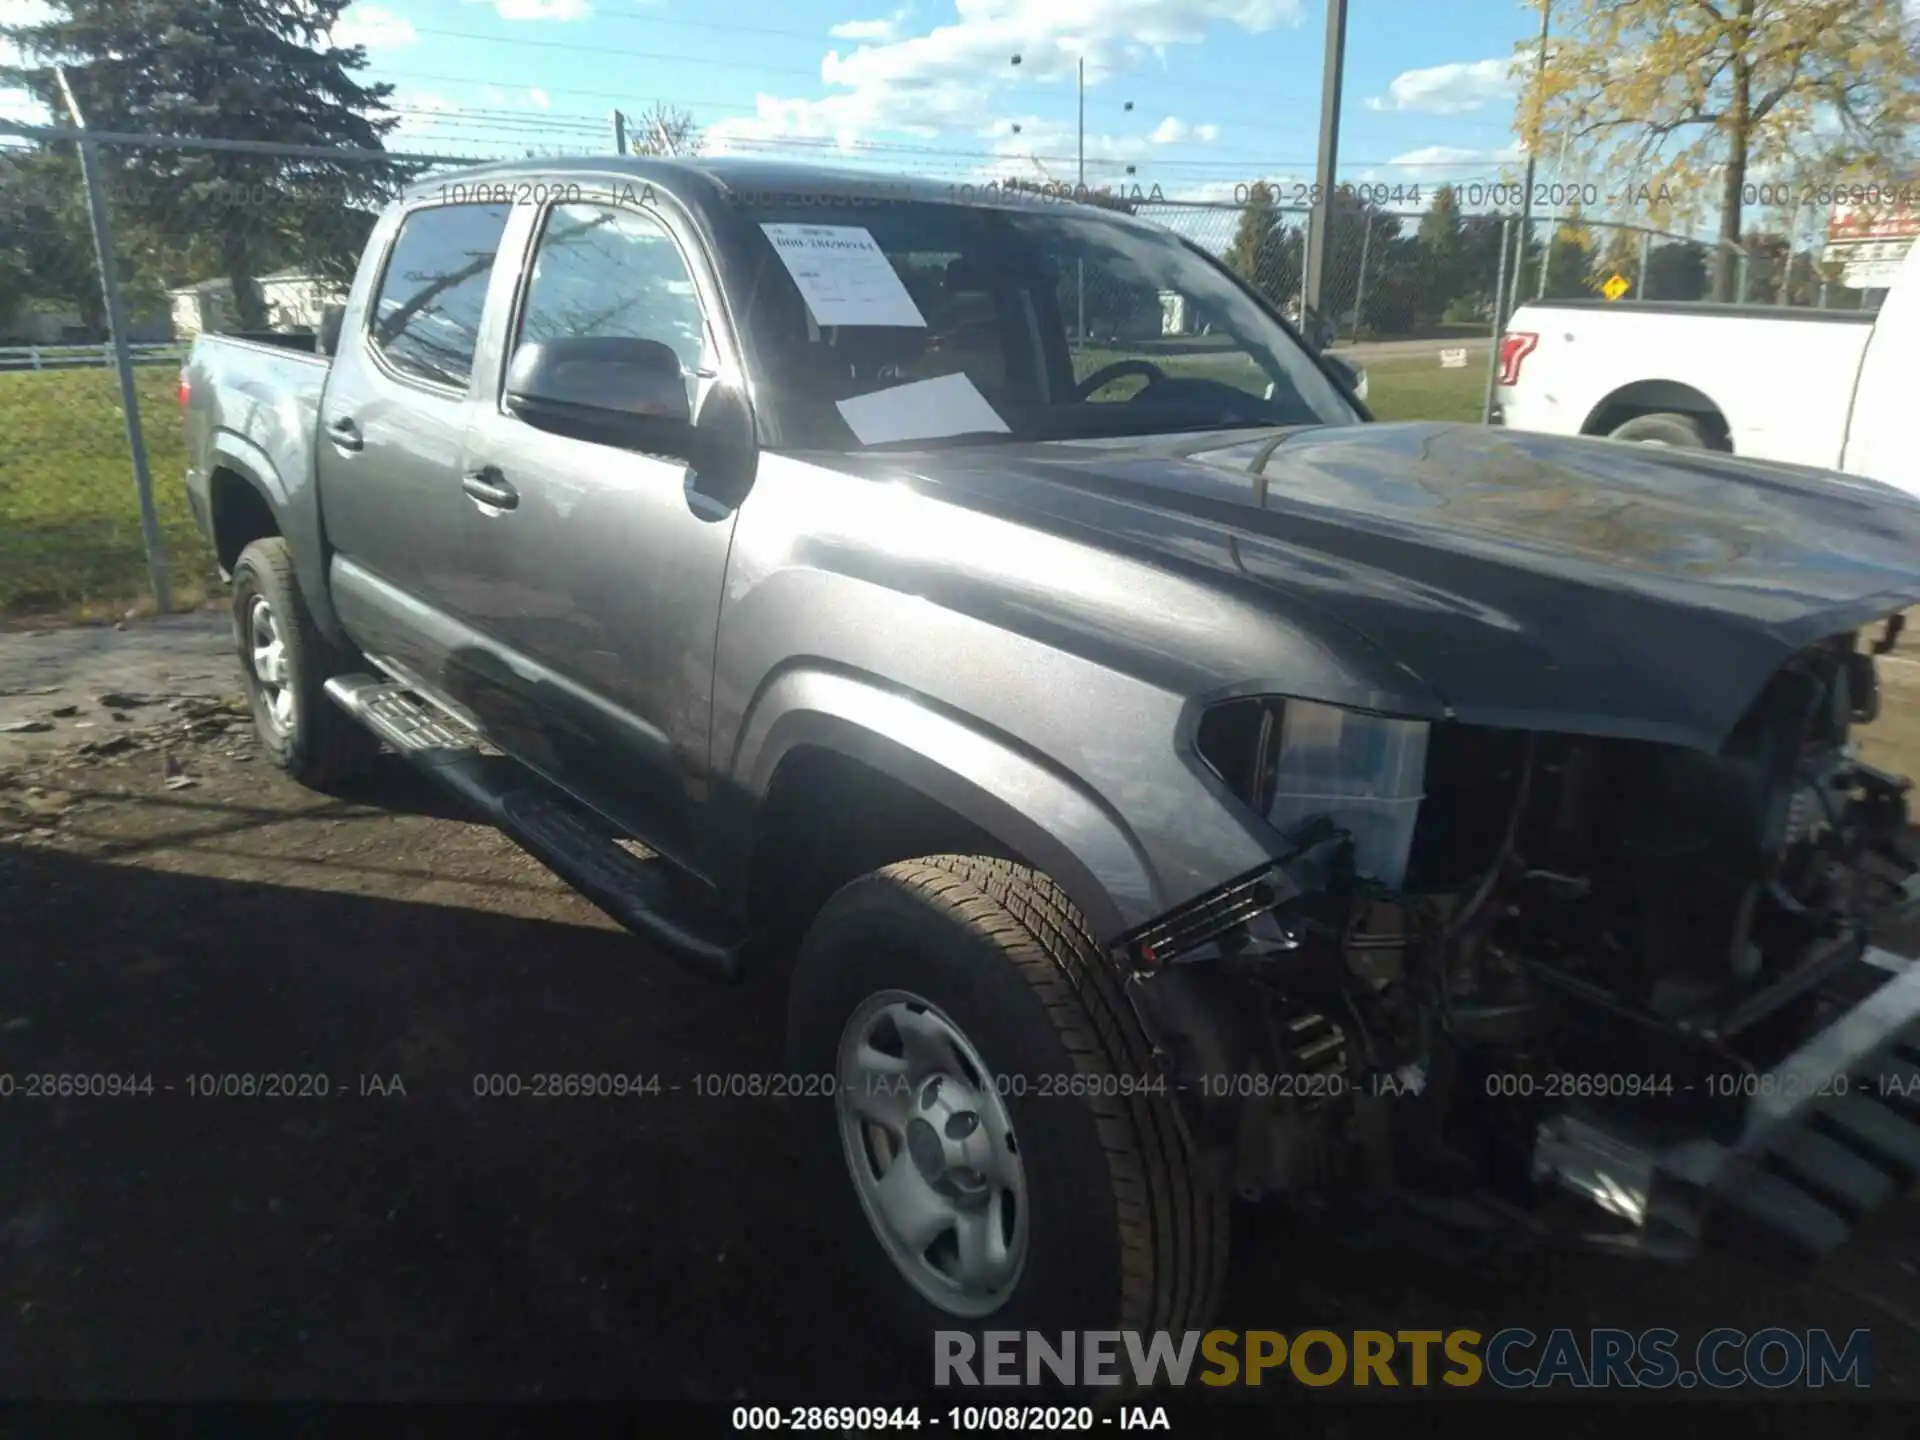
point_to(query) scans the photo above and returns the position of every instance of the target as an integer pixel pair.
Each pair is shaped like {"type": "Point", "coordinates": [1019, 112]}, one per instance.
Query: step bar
{"type": "Point", "coordinates": [645, 896]}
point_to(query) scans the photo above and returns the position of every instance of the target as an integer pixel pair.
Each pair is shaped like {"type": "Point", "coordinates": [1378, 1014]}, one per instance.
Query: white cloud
{"type": "Point", "coordinates": [1454, 157]}
{"type": "Point", "coordinates": [884, 29]}
{"type": "Point", "coordinates": [375, 27]}
{"type": "Point", "coordinates": [1449, 89]}
{"type": "Point", "coordinates": [1172, 131]}
{"type": "Point", "coordinates": [954, 75]}
{"type": "Point", "coordinates": [539, 98]}
{"type": "Point", "coordinates": [542, 9]}
{"type": "Point", "coordinates": [1031, 148]}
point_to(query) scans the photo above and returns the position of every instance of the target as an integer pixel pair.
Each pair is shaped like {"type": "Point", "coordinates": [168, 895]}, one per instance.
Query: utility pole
{"type": "Point", "coordinates": [1080, 190]}
{"type": "Point", "coordinates": [1080, 143]}
{"type": "Point", "coordinates": [1320, 226]}
{"type": "Point", "coordinates": [1533, 144]}
{"type": "Point", "coordinates": [122, 356]}
{"type": "Point", "coordinates": [1320, 222]}
{"type": "Point", "coordinates": [619, 133]}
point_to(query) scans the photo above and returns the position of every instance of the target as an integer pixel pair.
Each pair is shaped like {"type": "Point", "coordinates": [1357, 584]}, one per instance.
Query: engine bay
{"type": "Point", "coordinates": [1585, 927]}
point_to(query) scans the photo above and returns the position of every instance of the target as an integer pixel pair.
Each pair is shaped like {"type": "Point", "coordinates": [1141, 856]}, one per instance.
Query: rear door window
{"type": "Point", "coordinates": [426, 318]}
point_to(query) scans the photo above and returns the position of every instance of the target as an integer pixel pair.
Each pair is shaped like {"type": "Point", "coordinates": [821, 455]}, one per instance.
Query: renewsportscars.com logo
{"type": "Point", "coordinates": [1513, 1359]}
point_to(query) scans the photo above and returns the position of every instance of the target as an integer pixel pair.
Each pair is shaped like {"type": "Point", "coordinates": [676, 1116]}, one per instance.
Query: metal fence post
{"type": "Point", "coordinates": [1360, 290]}
{"type": "Point", "coordinates": [1499, 321]}
{"type": "Point", "coordinates": [122, 357]}
{"type": "Point", "coordinates": [1640, 280]}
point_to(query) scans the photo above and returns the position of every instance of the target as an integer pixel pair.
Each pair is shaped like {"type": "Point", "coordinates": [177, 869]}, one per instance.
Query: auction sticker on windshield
{"type": "Point", "coordinates": [923, 410]}
{"type": "Point", "coordinates": [845, 278]}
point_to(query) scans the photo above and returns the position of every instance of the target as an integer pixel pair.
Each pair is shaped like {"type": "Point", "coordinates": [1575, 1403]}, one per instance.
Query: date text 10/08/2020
{"type": "Point", "coordinates": [842, 1419]}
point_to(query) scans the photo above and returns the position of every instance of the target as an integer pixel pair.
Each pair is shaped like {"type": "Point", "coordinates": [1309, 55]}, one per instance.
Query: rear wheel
{"type": "Point", "coordinates": [997, 1153]}
{"type": "Point", "coordinates": [1665, 427]}
{"type": "Point", "coordinates": [285, 663]}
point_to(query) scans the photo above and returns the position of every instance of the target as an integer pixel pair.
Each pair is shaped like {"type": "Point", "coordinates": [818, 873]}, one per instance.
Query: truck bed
{"type": "Point", "coordinates": [1778, 379]}
{"type": "Point", "coordinates": [253, 409]}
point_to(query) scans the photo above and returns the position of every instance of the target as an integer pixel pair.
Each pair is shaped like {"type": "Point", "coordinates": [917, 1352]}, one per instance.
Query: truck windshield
{"type": "Point", "coordinates": [906, 323]}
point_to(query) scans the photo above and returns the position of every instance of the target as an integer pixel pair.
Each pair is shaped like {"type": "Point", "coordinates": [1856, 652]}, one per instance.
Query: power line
{"type": "Point", "coordinates": [570, 125]}
{"type": "Point", "coordinates": [1266, 97]}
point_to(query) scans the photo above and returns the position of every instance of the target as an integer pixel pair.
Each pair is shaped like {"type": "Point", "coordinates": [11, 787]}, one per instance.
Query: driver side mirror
{"type": "Point", "coordinates": [1351, 377]}
{"type": "Point", "coordinates": [614, 389]}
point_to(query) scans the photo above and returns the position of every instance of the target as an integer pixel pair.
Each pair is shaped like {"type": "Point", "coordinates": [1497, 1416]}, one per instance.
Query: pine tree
{"type": "Point", "coordinates": [1443, 253]}
{"type": "Point", "coordinates": [1258, 217]}
{"type": "Point", "coordinates": [258, 70]}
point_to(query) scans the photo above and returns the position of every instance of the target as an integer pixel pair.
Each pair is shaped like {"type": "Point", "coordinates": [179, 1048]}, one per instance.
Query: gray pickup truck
{"type": "Point", "coordinates": [1158, 784]}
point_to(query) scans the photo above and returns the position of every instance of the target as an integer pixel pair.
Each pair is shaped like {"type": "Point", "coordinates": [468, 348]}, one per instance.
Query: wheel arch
{"type": "Point", "coordinates": [249, 499]}
{"type": "Point", "coordinates": [818, 733]}
{"type": "Point", "coordinates": [1647, 397]}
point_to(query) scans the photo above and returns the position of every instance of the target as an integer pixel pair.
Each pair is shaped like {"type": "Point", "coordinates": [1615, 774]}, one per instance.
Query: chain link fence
{"type": "Point", "coordinates": [239, 239]}
{"type": "Point", "coordinates": [248, 238]}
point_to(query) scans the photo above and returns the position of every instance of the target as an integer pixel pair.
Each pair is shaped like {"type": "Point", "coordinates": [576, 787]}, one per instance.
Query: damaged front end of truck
{"type": "Point", "coordinates": [1528, 983]}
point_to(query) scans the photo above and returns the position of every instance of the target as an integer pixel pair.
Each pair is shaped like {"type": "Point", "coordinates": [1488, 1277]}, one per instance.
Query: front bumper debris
{"type": "Point", "coordinates": [1830, 1135]}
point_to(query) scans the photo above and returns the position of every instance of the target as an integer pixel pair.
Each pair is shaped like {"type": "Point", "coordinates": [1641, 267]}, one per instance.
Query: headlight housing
{"type": "Point", "coordinates": [1291, 761]}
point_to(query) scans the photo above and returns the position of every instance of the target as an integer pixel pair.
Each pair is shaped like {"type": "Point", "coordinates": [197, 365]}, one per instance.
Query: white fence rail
{"type": "Point", "coordinates": [68, 357]}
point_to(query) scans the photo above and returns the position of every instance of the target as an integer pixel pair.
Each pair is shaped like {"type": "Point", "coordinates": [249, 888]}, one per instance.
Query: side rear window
{"type": "Point", "coordinates": [426, 318]}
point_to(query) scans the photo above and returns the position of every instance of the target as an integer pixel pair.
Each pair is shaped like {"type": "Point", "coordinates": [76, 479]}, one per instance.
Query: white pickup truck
{"type": "Point", "coordinates": [1838, 389]}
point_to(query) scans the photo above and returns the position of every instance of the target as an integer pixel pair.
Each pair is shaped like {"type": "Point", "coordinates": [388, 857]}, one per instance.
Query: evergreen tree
{"type": "Point", "coordinates": [1441, 239]}
{"type": "Point", "coordinates": [1263, 252]}
{"type": "Point", "coordinates": [1677, 271]}
{"type": "Point", "coordinates": [256, 70]}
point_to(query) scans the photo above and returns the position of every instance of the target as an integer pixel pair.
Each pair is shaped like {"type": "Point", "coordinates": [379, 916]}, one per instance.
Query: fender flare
{"type": "Point", "coordinates": [1040, 812]}
{"type": "Point", "coordinates": [231, 450]}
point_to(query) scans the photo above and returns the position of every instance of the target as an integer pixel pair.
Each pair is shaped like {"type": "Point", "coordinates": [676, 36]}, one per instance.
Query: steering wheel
{"type": "Point", "coordinates": [1118, 370]}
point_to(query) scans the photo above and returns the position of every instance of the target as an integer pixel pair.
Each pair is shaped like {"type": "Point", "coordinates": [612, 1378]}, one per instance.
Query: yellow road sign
{"type": "Point", "coordinates": [1616, 286]}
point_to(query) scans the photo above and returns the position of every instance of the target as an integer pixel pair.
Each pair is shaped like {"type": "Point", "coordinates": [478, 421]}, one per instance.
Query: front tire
{"type": "Point", "coordinates": [997, 1153]}
{"type": "Point", "coordinates": [284, 664]}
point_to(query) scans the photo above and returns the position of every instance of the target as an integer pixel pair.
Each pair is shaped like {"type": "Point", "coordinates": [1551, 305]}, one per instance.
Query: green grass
{"type": "Point", "coordinates": [70, 522]}
{"type": "Point", "coordinates": [1421, 390]}
{"type": "Point", "coordinates": [1398, 389]}
{"type": "Point", "coordinates": [69, 515]}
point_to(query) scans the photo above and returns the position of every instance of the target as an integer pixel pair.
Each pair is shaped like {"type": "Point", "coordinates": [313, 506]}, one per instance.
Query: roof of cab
{"type": "Point", "coordinates": [736, 179]}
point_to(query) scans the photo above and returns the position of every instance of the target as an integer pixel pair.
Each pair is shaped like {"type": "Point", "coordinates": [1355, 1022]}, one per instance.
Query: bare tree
{"type": "Point", "coordinates": [663, 129]}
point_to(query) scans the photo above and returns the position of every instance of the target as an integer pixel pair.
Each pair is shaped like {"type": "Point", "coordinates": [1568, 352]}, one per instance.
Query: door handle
{"type": "Point", "coordinates": [345, 433]}
{"type": "Point", "coordinates": [490, 487]}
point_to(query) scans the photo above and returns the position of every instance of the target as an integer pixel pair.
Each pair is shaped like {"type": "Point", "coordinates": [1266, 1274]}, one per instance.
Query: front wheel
{"type": "Point", "coordinates": [997, 1153]}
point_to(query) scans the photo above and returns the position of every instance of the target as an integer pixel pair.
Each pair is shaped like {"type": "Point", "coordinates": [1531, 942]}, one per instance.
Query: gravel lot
{"type": "Point", "coordinates": [172, 907]}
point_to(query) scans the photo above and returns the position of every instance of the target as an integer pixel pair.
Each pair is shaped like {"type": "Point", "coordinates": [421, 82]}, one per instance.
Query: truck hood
{"type": "Point", "coordinates": [1534, 581]}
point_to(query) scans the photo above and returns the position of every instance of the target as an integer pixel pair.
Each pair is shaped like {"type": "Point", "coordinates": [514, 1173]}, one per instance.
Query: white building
{"type": "Point", "coordinates": [293, 301]}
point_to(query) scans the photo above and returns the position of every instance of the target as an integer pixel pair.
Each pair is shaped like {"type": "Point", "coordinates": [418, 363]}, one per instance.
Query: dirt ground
{"type": "Point", "coordinates": [171, 907]}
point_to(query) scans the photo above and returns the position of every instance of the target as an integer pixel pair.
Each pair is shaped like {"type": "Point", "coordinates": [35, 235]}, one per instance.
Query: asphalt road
{"type": "Point", "coordinates": [1414, 350]}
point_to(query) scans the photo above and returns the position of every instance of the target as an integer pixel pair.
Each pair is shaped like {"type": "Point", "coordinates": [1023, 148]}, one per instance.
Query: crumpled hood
{"type": "Point", "coordinates": [1528, 580]}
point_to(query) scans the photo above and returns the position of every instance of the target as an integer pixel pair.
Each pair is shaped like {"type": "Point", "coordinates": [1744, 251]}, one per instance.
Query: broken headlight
{"type": "Point", "coordinates": [1295, 761]}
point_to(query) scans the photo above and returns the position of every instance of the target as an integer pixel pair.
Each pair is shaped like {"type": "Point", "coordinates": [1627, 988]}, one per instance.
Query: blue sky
{"type": "Point", "coordinates": [1221, 91]}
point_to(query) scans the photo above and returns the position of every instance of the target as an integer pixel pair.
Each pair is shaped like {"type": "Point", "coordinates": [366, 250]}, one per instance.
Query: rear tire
{"type": "Point", "coordinates": [1113, 1225]}
{"type": "Point", "coordinates": [285, 662]}
{"type": "Point", "coordinates": [1665, 427]}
